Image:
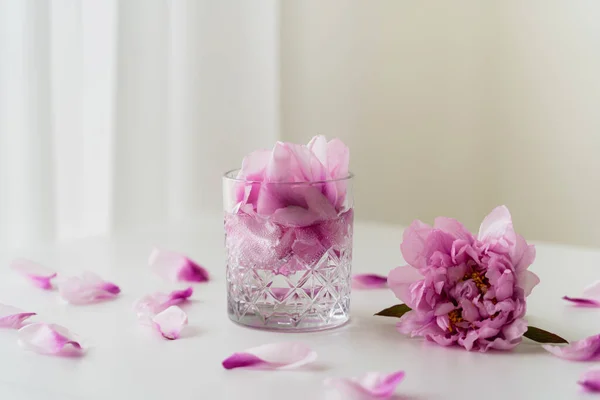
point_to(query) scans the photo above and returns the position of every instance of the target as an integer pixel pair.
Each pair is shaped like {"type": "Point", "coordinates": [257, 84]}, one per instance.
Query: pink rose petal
{"type": "Point", "coordinates": [590, 298]}
{"type": "Point", "coordinates": [170, 322]}
{"type": "Point", "coordinates": [86, 289]}
{"type": "Point", "coordinates": [286, 355]}
{"type": "Point", "coordinates": [176, 267]}
{"type": "Point", "coordinates": [368, 281]}
{"type": "Point", "coordinates": [12, 317]}
{"type": "Point", "coordinates": [590, 380]}
{"type": "Point", "coordinates": [373, 385]}
{"type": "Point", "coordinates": [587, 349]}
{"type": "Point", "coordinates": [150, 305]}
{"type": "Point", "coordinates": [37, 274]}
{"type": "Point", "coordinates": [49, 339]}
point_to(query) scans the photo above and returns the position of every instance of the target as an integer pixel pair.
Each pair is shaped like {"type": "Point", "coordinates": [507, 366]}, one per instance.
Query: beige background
{"type": "Point", "coordinates": [451, 108]}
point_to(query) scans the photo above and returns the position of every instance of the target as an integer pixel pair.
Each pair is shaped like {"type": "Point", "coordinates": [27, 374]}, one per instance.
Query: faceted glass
{"type": "Point", "coordinates": [288, 265]}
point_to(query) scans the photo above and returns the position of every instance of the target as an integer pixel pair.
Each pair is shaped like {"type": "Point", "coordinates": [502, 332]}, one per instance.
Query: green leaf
{"type": "Point", "coordinates": [542, 336]}
{"type": "Point", "coordinates": [395, 311]}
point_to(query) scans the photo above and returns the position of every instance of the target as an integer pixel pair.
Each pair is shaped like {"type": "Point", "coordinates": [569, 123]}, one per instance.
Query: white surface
{"type": "Point", "coordinates": [129, 361]}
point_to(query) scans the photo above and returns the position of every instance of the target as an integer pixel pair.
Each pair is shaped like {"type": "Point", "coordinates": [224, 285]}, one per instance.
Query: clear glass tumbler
{"type": "Point", "coordinates": [289, 253]}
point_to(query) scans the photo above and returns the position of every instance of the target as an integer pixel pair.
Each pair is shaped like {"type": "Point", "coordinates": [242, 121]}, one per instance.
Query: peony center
{"type": "Point", "coordinates": [455, 316]}
{"type": "Point", "coordinates": [479, 279]}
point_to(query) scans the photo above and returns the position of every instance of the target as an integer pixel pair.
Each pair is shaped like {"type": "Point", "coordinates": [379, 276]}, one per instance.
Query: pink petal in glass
{"type": "Point", "coordinates": [587, 349]}
{"type": "Point", "coordinates": [170, 322]}
{"type": "Point", "coordinates": [12, 317]}
{"type": "Point", "coordinates": [176, 267]}
{"type": "Point", "coordinates": [86, 289]}
{"type": "Point", "coordinates": [590, 380]}
{"type": "Point", "coordinates": [285, 355]}
{"type": "Point", "coordinates": [50, 339]}
{"type": "Point", "coordinates": [369, 281]}
{"type": "Point", "coordinates": [37, 274]}
{"type": "Point", "coordinates": [373, 385]}
{"type": "Point", "coordinates": [590, 297]}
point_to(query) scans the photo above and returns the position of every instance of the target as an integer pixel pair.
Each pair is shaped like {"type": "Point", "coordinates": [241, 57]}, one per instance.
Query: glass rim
{"type": "Point", "coordinates": [230, 176]}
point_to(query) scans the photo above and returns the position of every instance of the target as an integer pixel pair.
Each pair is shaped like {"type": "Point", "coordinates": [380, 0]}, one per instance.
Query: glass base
{"type": "Point", "coordinates": [313, 298]}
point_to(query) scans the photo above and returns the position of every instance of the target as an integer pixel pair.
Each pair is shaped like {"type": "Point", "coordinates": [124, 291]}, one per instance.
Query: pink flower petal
{"type": "Point", "coordinates": [176, 267]}
{"type": "Point", "coordinates": [369, 281]}
{"type": "Point", "coordinates": [49, 339]}
{"type": "Point", "coordinates": [590, 298]}
{"type": "Point", "coordinates": [587, 349]}
{"type": "Point", "coordinates": [592, 291]}
{"type": "Point", "coordinates": [170, 322]}
{"type": "Point", "coordinates": [150, 305]}
{"type": "Point", "coordinates": [590, 380]}
{"type": "Point", "coordinates": [400, 279]}
{"type": "Point", "coordinates": [12, 317]}
{"type": "Point", "coordinates": [497, 231]}
{"type": "Point", "coordinates": [286, 355]}
{"type": "Point", "coordinates": [580, 301]}
{"type": "Point", "coordinates": [369, 386]}
{"type": "Point", "coordinates": [86, 289]}
{"type": "Point", "coordinates": [37, 274]}
{"type": "Point", "coordinates": [413, 244]}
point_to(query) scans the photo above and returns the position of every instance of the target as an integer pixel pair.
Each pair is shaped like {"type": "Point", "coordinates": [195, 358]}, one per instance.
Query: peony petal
{"type": "Point", "coordinates": [286, 355]}
{"type": "Point", "coordinates": [150, 305]}
{"type": "Point", "coordinates": [587, 349]}
{"type": "Point", "coordinates": [590, 380]}
{"type": "Point", "coordinates": [582, 302]}
{"type": "Point", "coordinates": [12, 317]}
{"type": "Point", "coordinates": [176, 267]}
{"type": "Point", "coordinates": [368, 281]}
{"type": "Point", "coordinates": [592, 291]}
{"type": "Point", "coordinates": [590, 298]}
{"type": "Point", "coordinates": [50, 339]}
{"type": "Point", "coordinates": [86, 289]}
{"type": "Point", "coordinates": [497, 231]}
{"type": "Point", "coordinates": [400, 279]}
{"type": "Point", "coordinates": [453, 227]}
{"type": "Point", "coordinates": [371, 385]}
{"type": "Point", "coordinates": [170, 322]}
{"type": "Point", "coordinates": [527, 280]}
{"type": "Point", "coordinates": [413, 244]}
{"type": "Point", "coordinates": [39, 275]}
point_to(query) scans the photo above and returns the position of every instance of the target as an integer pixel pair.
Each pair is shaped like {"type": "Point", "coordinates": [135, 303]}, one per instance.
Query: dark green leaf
{"type": "Point", "coordinates": [542, 336]}
{"type": "Point", "coordinates": [395, 311]}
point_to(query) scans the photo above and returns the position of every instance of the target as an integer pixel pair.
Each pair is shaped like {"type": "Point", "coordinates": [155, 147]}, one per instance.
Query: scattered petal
{"type": "Point", "coordinates": [369, 386]}
{"type": "Point", "coordinates": [150, 305]}
{"type": "Point", "coordinates": [369, 281]}
{"type": "Point", "coordinates": [12, 317]}
{"type": "Point", "coordinates": [50, 339]}
{"type": "Point", "coordinates": [37, 274]}
{"type": "Point", "coordinates": [587, 349]}
{"type": "Point", "coordinates": [176, 267]}
{"type": "Point", "coordinates": [170, 322]}
{"type": "Point", "coordinates": [590, 380]}
{"type": "Point", "coordinates": [580, 301]}
{"type": "Point", "coordinates": [286, 355]}
{"type": "Point", "coordinates": [87, 288]}
{"type": "Point", "coordinates": [590, 298]}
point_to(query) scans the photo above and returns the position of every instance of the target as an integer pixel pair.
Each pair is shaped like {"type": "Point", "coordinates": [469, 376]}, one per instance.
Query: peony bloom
{"type": "Point", "coordinates": [463, 289]}
{"type": "Point", "coordinates": [275, 183]}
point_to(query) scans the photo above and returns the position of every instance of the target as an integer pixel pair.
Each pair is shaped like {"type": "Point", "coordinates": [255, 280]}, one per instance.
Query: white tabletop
{"type": "Point", "coordinates": [129, 361]}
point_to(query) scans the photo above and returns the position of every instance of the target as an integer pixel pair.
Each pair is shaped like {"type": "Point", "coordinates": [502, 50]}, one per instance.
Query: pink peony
{"type": "Point", "coordinates": [295, 185]}
{"type": "Point", "coordinates": [463, 289]}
